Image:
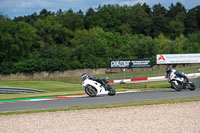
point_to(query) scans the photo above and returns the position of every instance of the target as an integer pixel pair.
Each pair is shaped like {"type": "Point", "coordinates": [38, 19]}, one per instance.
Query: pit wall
{"type": "Point", "coordinates": [78, 72]}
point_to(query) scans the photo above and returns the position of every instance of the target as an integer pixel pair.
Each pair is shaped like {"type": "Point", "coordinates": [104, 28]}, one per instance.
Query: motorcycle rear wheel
{"type": "Point", "coordinates": [91, 91]}
{"type": "Point", "coordinates": [178, 87]}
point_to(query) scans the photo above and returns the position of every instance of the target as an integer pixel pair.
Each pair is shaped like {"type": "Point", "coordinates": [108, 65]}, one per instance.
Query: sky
{"type": "Point", "coordinates": [15, 8]}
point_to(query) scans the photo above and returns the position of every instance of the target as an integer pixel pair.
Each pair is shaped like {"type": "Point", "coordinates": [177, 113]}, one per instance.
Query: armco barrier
{"type": "Point", "coordinates": [148, 79]}
{"type": "Point", "coordinates": [14, 90]}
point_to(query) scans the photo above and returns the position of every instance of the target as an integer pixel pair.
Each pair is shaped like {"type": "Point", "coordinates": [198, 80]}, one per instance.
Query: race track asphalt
{"type": "Point", "coordinates": [100, 100]}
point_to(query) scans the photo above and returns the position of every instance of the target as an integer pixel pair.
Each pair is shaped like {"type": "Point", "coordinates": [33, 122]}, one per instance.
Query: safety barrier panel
{"type": "Point", "coordinates": [148, 79]}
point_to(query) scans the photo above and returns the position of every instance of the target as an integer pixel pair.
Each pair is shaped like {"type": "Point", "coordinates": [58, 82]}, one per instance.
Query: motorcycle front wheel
{"type": "Point", "coordinates": [191, 86]}
{"type": "Point", "coordinates": [112, 91]}
{"type": "Point", "coordinates": [91, 91]}
{"type": "Point", "coordinates": [177, 87]}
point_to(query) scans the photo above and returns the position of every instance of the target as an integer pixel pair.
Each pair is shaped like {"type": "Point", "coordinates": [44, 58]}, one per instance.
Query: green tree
{"type": "Point", "coordinates": [147, 8]}
{"type": "Point", "coordinates": [7, 30]}
{"type": "Point", "coordinates": [175, 29]}
{"type": "Point", "coordinates": [17, 41]}
{"type": "Point", "coordinates": [163, 45]}
{"type": "Point", "coordinates": [26, 39]}
{"type": "Point", "coordinates": [53, 58]}
{"type": "Point", "coordinates": [138, 19]}
{"type": "Point", "coordinates": [106, 17]}
{"type": "Point", "coordinates": [145, 48]}
{"type": "Point", "coordinates": [160, 21]}
{"type": "Point", "coordinates": [44, 13]}
{"type": "Point", "coordinates": [71, 20]}
{"type": "Point", "coordinates": [7, 44]}
{"type": "Point", "coordinates": [52, 32]}
{"type": "Point", "coordinates": [139, 46]}
{"type": "Point", "coordinates": [192, 20]}
{"type": "Point", "coordinates": [118, 46]}
{"type": "Point", "coordinates": [177, 12]}
{"type": "Point", "coordinates": [89, 18]}
{"type": "Point", "coordinates": [179, 45]}
{"type": "Point", "coordinates": [91, 49]}
{"type": "Point", "coordinates": [30, 19]}
{"type": "Point", "coordinates": [125, 29]}
{"type": "Point", "coordinates": [193, 43]}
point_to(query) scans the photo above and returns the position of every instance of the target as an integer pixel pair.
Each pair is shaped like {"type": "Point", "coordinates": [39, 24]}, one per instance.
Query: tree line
{"type": "Point", "coordinates": [66, 40]}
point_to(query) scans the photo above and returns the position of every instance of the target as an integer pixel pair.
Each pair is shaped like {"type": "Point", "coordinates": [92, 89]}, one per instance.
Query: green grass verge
{"type": "Point", "coordinates": [54, 88]}
{"type": "Point", "coordinates": [58, 88]}
{"type": "Point", "coordinates": [160, 85]}
{"type": "Point", "coordinates": [107, 106]}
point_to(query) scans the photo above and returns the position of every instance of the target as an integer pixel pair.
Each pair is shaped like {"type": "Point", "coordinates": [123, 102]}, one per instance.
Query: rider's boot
{"type": "Point", "coordinates": [186, 80]}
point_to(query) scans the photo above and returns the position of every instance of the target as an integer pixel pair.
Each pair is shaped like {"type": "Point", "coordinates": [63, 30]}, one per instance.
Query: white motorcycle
{"type": "Point", "coordinates": [94, 87]}
{"type": "Point", "coordinates": [180, 83]}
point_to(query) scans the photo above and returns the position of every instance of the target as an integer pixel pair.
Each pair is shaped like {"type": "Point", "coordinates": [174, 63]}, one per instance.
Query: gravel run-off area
{"type": "Point", "coordinates": [164, 118]}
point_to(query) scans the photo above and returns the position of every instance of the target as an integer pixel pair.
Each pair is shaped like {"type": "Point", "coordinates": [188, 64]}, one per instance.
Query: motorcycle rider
{"type": "Point", "coordinates": [85, 76]}
{"type": "Point", "coordinates": [177, 73]}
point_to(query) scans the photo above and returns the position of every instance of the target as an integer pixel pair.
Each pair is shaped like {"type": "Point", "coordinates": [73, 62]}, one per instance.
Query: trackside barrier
{"type": "Point", "coordinates": [14, 90]}
{"type": "Point", "coordinates": [148, 79]}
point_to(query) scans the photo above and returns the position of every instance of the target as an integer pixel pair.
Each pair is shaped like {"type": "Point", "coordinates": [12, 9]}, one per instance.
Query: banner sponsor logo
{"type": "Point", "coordinates": [177, 58]}
{"type": "Point", "coordinates": [161, 58]}
{"type": "Point", "coordinates": [137, 63]}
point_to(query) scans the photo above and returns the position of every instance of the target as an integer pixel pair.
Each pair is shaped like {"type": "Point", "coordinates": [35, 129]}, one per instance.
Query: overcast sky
{"type": "Point", "coordinates": [16, 8]}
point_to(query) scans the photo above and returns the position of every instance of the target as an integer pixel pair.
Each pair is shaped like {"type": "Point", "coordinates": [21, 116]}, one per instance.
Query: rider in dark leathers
{"type": "Point", "coordinates": [177, 73]}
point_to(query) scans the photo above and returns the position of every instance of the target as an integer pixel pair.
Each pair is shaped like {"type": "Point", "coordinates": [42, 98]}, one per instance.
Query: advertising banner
{"type": "Point", "coordinates": [137, 63]}
{"type": "Point", "coordinates": [177, 58]}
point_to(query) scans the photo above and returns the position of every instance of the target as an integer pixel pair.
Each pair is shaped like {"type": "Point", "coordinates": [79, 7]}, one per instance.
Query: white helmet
{"type": "Point", "coordinates": [84, 76]}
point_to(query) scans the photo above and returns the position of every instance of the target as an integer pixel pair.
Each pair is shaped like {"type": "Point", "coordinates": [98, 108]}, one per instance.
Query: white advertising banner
{"type": "Point", "coordinates": [177, 58]}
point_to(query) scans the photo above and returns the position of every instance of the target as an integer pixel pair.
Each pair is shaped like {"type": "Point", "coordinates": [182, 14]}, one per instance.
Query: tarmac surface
{"type": "Point", "coordinates": [99, 100]}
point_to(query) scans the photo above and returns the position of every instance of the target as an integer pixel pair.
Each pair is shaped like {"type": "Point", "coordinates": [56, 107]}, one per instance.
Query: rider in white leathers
{"type": "Point", "coordinates": [85, 76]}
